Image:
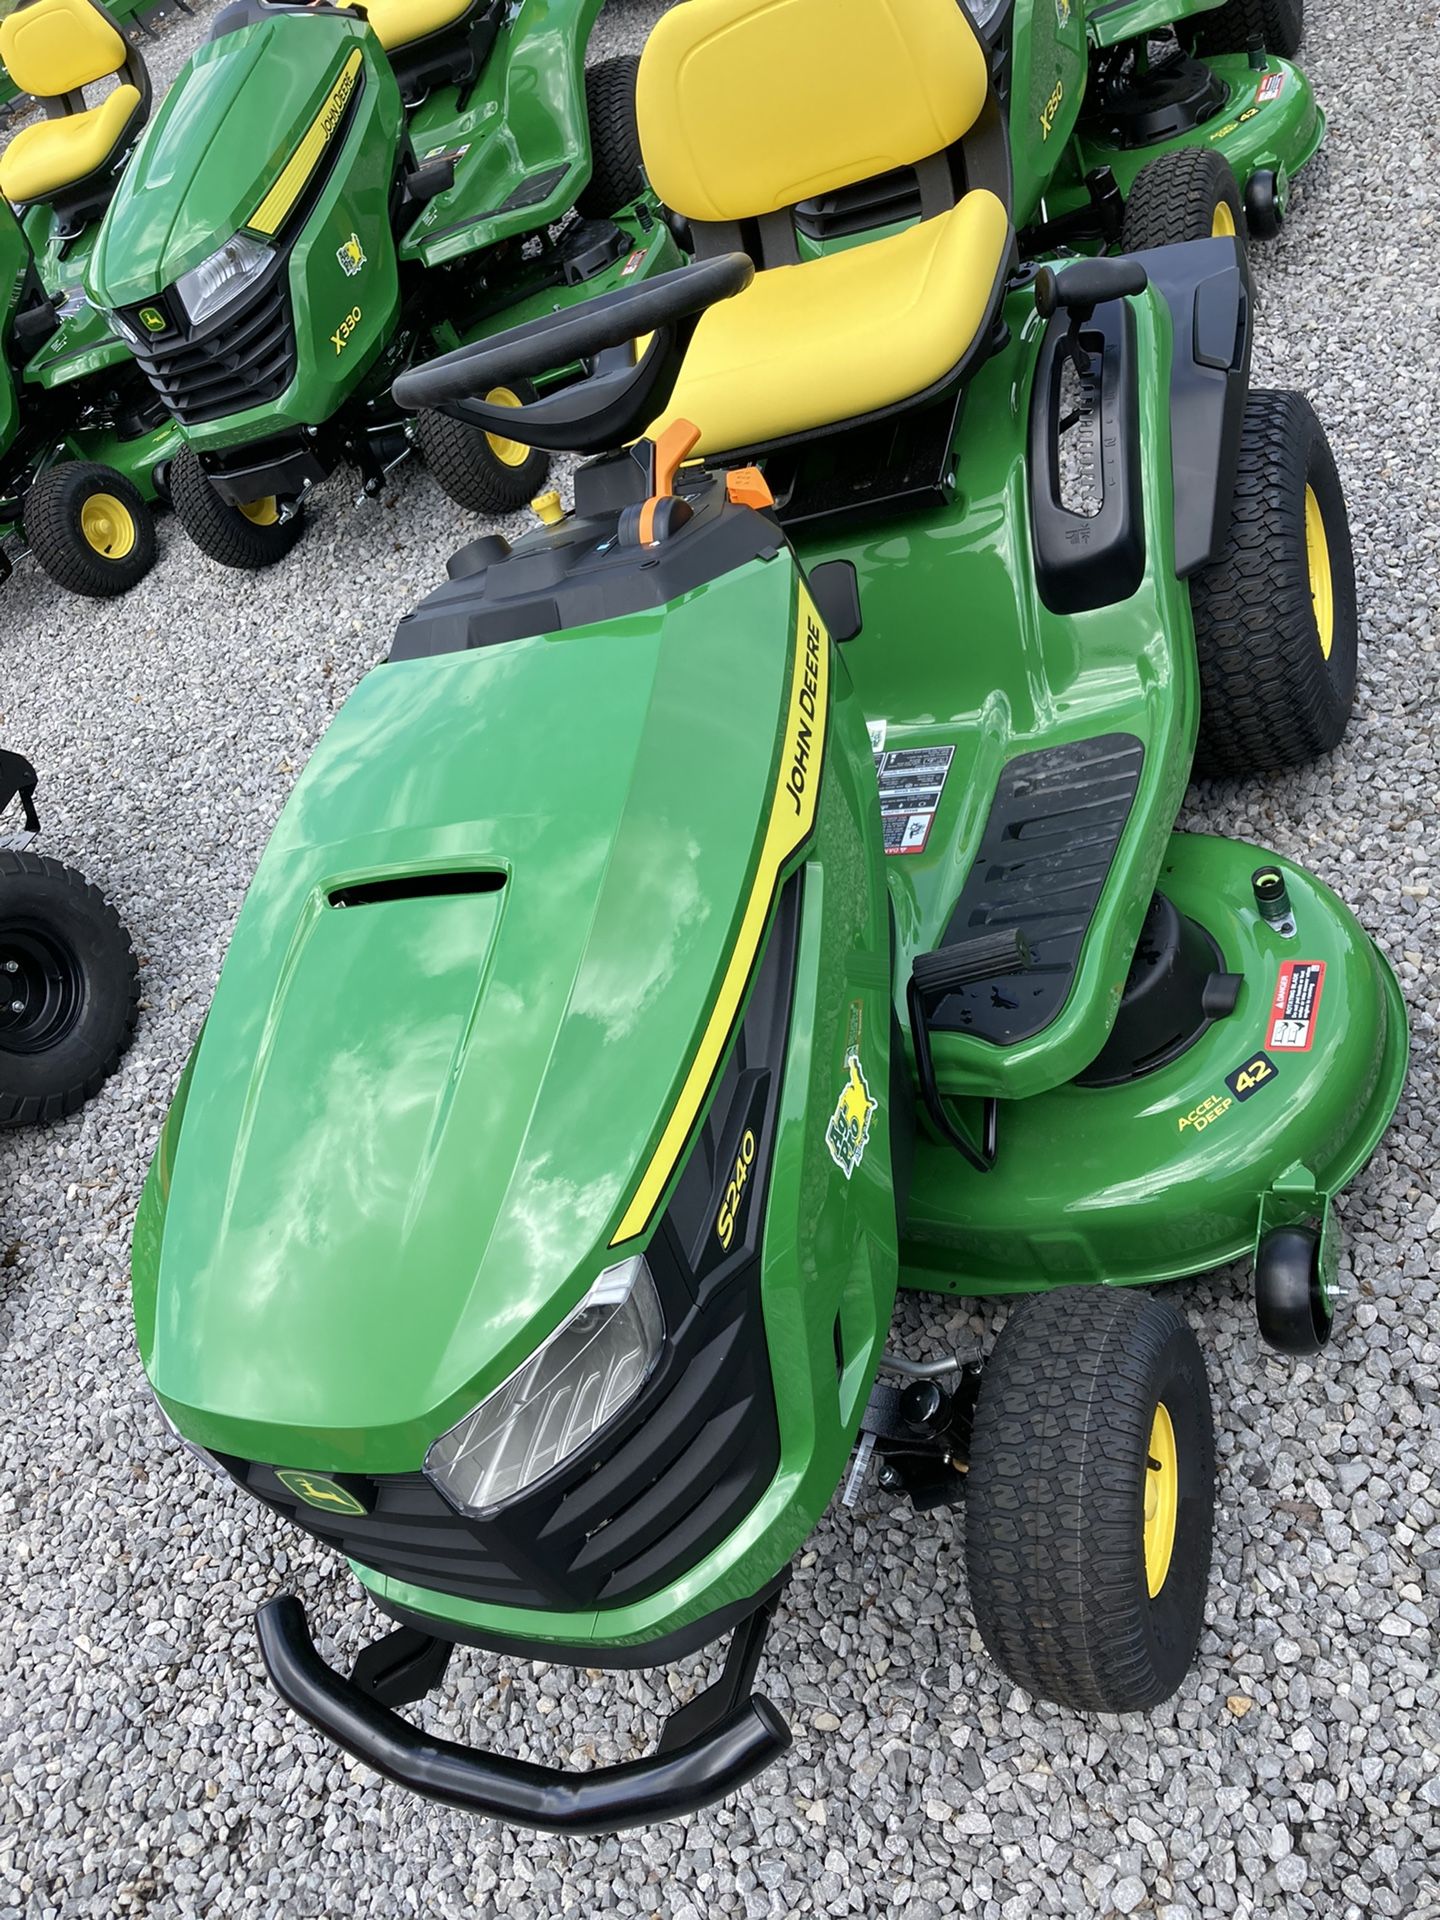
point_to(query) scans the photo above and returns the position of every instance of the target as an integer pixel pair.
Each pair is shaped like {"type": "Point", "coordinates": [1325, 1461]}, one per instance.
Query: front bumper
{"type": "Point", "coordinates": [708, 1748]}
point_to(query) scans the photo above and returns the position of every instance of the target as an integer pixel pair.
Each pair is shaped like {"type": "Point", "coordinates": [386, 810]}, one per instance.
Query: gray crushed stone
{"type": "Point", "coordinates": [144, 1767]}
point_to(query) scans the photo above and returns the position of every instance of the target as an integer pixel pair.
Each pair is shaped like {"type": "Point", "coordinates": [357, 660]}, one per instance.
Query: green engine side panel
{"type": "Point", "coordinates": [1047, 89]}
{"type": "Point", "coordinates": [521, 141]}
{"type": "Point", "coordinates": [14, 264]}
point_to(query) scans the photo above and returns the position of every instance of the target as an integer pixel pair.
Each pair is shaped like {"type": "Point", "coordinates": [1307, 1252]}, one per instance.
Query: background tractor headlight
{"type": "Point", "coordinates": [206, 289]}
{"type": "Point", "coordinates": [589, 1370]}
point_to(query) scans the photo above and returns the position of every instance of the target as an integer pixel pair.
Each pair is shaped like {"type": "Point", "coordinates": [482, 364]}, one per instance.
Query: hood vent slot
{"type": "Point", "coordinates": [416, 886]}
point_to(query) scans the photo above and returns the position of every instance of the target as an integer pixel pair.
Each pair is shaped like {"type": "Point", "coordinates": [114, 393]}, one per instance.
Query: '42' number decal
{"type": "Point", "coordinates": [1258, 1071]}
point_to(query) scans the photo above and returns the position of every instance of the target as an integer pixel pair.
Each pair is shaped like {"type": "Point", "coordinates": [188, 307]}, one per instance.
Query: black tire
{"type": "Point", "coordinates": [1177, 197]}
{"type": "Point", "coordinates": [69, 989]}
{"type": "Point", "coordinates": [1278, 25]}
{"type": "Point", "coordinates": [89, 528]}
{"type": "Point", "coordinates": [474, 469]}
{"type": "Point", "coordinates": [1270, 695]}
{"type": "Point", "coordinates": [1056, 1494]}
{"type": "Point", "coordinates": [617, 172]}
{"type": "Point", "coordinates": [226, 533]}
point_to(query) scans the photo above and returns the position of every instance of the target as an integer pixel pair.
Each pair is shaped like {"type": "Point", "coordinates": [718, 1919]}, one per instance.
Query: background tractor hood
{"type": "Point", "coordinates": [412, 1125]}
{"type": "Point", "coordinates": [224, 132]}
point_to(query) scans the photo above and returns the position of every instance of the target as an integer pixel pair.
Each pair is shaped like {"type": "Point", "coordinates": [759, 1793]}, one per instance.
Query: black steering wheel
{"type": "Point", "coordinates": [617, 397]}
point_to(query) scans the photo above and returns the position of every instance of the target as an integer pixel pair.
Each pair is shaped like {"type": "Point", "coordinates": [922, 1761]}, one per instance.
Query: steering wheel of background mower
{"type": "Point", "coordinates": [618, 397]}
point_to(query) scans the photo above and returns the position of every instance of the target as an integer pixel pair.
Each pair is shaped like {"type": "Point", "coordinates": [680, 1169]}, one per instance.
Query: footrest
{"type": "Point", "coordinates": [1054, 826]}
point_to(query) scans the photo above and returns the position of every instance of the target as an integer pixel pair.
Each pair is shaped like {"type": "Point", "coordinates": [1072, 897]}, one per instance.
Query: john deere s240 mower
{"type": "Point", "coordinates": [760, 890]}
{"type": "Point", "coordinates": [327, 192]}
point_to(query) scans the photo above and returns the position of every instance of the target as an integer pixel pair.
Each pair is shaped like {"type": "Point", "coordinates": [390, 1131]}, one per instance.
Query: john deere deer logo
{"type": "Point", "coordinates": [317, 1490]}
{"type": "Point", "coordinates": [849, 1130]}
{"type": "Point", "coordinates": [351, 255]}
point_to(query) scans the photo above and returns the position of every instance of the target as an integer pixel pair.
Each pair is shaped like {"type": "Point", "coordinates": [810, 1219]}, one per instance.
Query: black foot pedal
{"type": "Point", "coordinates": [934, 976]}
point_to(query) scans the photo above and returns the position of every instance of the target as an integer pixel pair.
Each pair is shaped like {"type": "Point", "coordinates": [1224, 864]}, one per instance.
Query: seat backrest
{"type": "Point", "coordinates": [749, 106]}
{"type": "Point", "coordinates": [54, 47]}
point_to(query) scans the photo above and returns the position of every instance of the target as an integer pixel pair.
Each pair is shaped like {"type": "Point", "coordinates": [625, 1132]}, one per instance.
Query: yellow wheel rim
{"type": "Point", "coordinates": [1162, 1499]}
{"type": "Point", "coordinates": [108, 526]}
{"type": "Point", "coordinates": [1222, 222]}
{"type": "Point", "coordinates": [510, 453]}
{"type": "Point", "coordinates": [262, 513]}
{"type": "Point", "coordinates": [1322, 585]}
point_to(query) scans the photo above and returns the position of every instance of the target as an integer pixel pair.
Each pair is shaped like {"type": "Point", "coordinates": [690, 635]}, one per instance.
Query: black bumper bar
{"type": "Point", "coordinates": [729, 1747]}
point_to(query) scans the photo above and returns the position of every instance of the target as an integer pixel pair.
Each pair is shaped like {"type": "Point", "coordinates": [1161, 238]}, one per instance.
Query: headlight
{"type": "Point", "coordinates": [590, 1368]}
{"type": "Point", "coordinates": [222, 278]}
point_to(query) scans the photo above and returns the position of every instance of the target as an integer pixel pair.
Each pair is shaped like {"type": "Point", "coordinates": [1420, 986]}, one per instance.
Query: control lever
{"type": "Point", "coordinates": [1078, 289]}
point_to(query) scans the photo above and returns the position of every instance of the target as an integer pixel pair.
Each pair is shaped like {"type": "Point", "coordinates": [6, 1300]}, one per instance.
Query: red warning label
{"type": "Point", "coordinates": [1295, 1006]}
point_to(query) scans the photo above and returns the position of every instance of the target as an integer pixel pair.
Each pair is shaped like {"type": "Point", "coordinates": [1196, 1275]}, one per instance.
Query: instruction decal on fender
{"type": "Point", "coordinates": [912, 779]}
{"type": "Point", "coordinates": [1296, 1005]}
{"type": "Point", "coordinates": [848, 1133]}
{"type": "Point", "coordinates": [1258, 1071]}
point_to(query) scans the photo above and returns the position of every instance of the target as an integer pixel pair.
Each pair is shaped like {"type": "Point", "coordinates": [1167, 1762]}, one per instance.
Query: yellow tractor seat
{"type": "Point", "coordinates": [396, 23]}
{"type": "Point", "coordinates": [833, 339]}
{"type": "Point", "coordinates": [54, 49]}
{"type": "Point", "coordinates": [50, 155]}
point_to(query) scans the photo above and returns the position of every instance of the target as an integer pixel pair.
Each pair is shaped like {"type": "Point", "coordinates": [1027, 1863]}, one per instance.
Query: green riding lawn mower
{"type": "Point", "coordinates": [328, 193]}
{"type": "Point", "coordinates": [69, 986]}
{"type": "Point", "coordinates": [85, 445]}
{"type": "Point", "coordinates": [1142, 123]}
{"type": "Point", "coordinates": [777, 856]}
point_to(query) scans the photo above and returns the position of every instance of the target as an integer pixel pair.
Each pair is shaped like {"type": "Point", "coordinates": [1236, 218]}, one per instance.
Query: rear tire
{"type": "Point", "coordinates": [1191, 194]}
{"type": "Point", "coordinates": [245, 538]}
{"type": "Point", "coordinates": [1279, 26]}
{"type": "Point", "coordinates": [1277, 658]}
{"type": "Point", "coordinates": [617, 171]}
{"type": "Point", "coordinates": [479, 471]}
{"type": "Point", "coordinates": [69, 989]}
{"type": "Point", "coordinates": [89, 528]}
{"type": "Point", "coordinates": [1082, 1594]}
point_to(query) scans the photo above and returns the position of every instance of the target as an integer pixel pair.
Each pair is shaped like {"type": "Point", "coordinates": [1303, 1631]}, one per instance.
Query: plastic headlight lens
{"type": "Point", "coordinates": [589, 1370]}
{"type": "Point", "coordinates": [222, 278]}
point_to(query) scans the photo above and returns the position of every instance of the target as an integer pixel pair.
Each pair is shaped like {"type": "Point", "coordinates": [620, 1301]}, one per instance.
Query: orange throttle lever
{"type": "Point", "coordinates": [667, 456]}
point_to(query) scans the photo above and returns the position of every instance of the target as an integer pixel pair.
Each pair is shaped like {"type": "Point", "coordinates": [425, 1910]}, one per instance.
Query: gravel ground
{"type": "Point", "coordinates": [146, 1768]}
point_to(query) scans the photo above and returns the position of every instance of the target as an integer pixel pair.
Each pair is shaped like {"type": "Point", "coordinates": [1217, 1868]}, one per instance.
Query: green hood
{"type": "Point", "coordinates": [224, 134]}
{"type": "Point", "coordinates": [413, 1124]}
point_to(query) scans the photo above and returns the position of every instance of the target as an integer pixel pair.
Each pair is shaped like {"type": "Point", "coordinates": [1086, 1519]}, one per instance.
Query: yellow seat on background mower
{"type": "Point", "coordinates": [51, 154]}
{"type": "Point", "coordinates": [398, 22]}
{"type": "Point", "coordinates": [748, 107]}
{"type": "Point", "coordinates": [806, 346]}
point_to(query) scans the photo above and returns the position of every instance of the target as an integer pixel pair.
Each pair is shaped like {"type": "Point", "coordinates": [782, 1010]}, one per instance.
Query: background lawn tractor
{"type": "Point", "coordinates": [84, 444]}
{"type": "Point", "coordinates": [326, 194]}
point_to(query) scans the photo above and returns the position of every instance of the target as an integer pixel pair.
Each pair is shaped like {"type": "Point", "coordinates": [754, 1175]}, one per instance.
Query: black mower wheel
{"type": "Point", "coordinates": [1275, 623]}
{"type": "Point", "coordinates": [1090, 1499]}
{"type": "Point", "coordinates": [1191, 194]}
{"type": "Point", "coordinates": [247, 537]}
{"type": "Point", "coordinates": [1293, 1303]}
{"type": "Point", "coordinates": [1278, 25]}
{"type": "Point", "coordinates": [479, 470]}
{"type": "Point", "coordinates": [69, 989]}
{"type": "Point", "coordinates": [617, 172]}
{"type": "Point", "coordinates": [89, 528]}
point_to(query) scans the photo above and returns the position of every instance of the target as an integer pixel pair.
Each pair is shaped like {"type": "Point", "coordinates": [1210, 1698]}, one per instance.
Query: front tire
{"type": "Point", "coordinates": [1090, 1497]}
{"type": "Point", "coordinates": [481, 471]}
{"type": "Point", "coordinates": [1276, 632]}
{"type": "Point", "coordinates": [1279, 26]}
{"type": "Point", "coordinates": [89, 528]}
{"type": "Point", "coordinates": [247, 538]}
{"type": "Point", "coordinates": [69, 989]}
{"type": "Point", "coordinates": [1191, 194]}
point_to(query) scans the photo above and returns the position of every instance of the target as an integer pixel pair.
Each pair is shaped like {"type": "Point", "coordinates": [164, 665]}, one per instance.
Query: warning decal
{"type": "Point", "coordinates": [911, 783]}
{"type": "Point", "coordinates": [1296, 1004]}
{"type": "Point", "coordinates": [1271, 87]}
